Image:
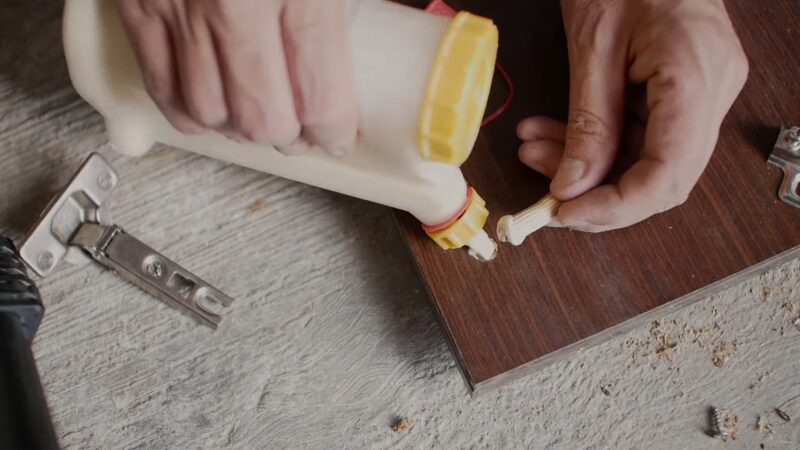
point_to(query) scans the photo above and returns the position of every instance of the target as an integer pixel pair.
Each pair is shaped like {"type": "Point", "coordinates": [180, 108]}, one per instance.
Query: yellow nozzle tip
{"type": "Point", "coordinates": [466, 227]}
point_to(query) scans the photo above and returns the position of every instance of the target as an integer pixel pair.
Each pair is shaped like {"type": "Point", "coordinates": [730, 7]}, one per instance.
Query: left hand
{"type": "Point", "coordinates": [651, 78]}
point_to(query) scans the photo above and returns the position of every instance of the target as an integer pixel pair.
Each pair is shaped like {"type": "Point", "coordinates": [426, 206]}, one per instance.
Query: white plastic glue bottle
{"type": "Point", "coordinates": [422, 83]}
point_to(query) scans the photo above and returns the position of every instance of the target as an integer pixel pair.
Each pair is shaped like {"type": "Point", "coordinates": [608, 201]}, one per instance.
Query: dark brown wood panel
{"type": "Point", "coordinates": [561, 287]}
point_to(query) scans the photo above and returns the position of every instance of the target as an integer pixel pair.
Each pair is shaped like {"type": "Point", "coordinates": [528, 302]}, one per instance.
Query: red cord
{"type": "Point", "coordinates": [499, 112]}
{"type": "Point", "coordinates": [439, 7]}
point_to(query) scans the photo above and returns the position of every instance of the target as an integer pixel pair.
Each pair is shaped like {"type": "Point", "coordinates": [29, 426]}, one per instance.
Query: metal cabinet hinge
{"type": "Point", "coordinates": [786, 155]}
{"type": "Point", "coordinates": [77, 227]}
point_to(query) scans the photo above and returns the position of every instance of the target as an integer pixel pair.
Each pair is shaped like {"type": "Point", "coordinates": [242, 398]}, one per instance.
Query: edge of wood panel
{"type": "Point", "coordinates": [630, 324]}
{"type": "Point", "coordinates": [462, 369]}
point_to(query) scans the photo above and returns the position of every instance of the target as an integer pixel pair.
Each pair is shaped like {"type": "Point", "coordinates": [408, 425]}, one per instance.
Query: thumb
{"type": "Point", "coordinates": [596, 114]}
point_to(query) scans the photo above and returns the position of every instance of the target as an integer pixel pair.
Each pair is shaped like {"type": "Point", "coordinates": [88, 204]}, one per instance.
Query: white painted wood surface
{"type": "Point", "coordinates": [331, 339]}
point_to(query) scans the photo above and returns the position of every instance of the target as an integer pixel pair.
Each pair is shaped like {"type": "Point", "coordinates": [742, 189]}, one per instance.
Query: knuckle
{"type": "Point", "coordinates": [222, 8]}
{"type": "Point", "coordinates": [673, 195]}
{"type": "Point", "coordinates": [226, 14]}
{"type": "Point", "coordinates": [683, 84]}
{"type": "Point", "coordinates": [584, 125]}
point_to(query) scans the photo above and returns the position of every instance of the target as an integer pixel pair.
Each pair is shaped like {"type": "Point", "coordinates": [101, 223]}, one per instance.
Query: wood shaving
{"type": "Point", "coordinates": [763, 426]}
{"type": "Point", "coordinates": [783, 415]}
{"type": "Point", "coordinates": [732, 423]}
{"type": "Point", "coordinates": [403, 425]}
{"type": "Point", "coordinates": [666, 348]}
{"type": "Point", "coordinates": [729, 426]}
{"type": "Point", "coordinates": [256, 206]}
{"type": "Point", "coordinates": [609, 388]}
{"type": "Point", "coordinates": [759, 381]}
{"type": "Point", "coordinates": [722, 354]}
{"type": "Point", "coordinates": [654, 325]}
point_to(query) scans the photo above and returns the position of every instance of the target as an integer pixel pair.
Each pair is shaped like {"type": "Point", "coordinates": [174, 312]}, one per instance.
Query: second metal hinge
{"type": "Point", "coordinates": [786, 155]}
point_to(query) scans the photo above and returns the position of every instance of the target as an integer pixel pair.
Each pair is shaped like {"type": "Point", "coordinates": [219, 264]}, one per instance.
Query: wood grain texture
{"type": "Point", "coordinates": [561, 287]}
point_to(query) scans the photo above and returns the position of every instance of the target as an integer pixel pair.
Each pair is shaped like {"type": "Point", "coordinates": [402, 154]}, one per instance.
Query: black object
{"type": "Point", "coordinates": [24, 417]}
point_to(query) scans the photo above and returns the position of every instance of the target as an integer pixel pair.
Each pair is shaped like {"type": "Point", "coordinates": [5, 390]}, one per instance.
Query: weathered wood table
{"type": "Point", "coordinates": [562, 290]}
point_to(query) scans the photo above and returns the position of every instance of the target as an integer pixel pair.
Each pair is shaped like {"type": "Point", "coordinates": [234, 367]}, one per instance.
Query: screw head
{"type": "Point", "coordinates": [45, 260]}
{"type": "Point", "coordinates": [105, 181]}
{"type": "Point", "coordinates": [155, 269]}
{"type": "Point", "coordinates": [793, 138]}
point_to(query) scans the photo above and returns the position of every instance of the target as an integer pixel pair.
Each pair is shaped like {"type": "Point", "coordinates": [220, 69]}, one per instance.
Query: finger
{"type": "Point", "coordinates": [200, 78]}
{"type": "Point", "coordinates": [597, 93]}
{"type": "Point", "coordinates": [542, 156]}
{"type": "Point", "coordinates": [299, 147]}
{"type": "Point", "coordinates": [152, 46]}
{"type": "Point", "coordinates": [645, 189]}
{"type": "Point", "coordinates": [541, 127]}
{"type": "Point", "coordinates": [320, 67]}
{"type": "Point", "coordinates": [678, 142]}
{"type": "Point", "coordinates": [254, 73]}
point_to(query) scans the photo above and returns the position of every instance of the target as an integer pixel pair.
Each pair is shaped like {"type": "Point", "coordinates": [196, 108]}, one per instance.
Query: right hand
{"type": "Point", "coordinates": [650, 83]}
{"type": "Point", "coordinates": [276, 72]}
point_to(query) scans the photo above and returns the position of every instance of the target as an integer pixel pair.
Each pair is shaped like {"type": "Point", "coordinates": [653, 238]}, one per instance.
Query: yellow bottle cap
{"type": "Point", "coordinates": [458, 232]}
{"type": "Point", "coordinates": [458, 90]}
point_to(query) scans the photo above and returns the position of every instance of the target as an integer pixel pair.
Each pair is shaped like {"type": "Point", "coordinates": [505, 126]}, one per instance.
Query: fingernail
{"type": "Point", "coordinates": [295, 148]}
{"type": "Point", "coordinates": [339, 151]}
{"type": "Point", "coordinates": [571, 171]}
{"type": "Point", "coordinates": [578, 225]}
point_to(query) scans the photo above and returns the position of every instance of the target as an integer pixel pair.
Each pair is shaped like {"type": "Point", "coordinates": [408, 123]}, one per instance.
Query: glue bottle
{"type": "Point", "coordinates": [422, 83]}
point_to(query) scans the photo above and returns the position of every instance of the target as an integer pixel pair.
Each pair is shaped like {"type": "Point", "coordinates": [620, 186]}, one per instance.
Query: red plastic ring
{"type": "Point", "coordinates": [454, 219]}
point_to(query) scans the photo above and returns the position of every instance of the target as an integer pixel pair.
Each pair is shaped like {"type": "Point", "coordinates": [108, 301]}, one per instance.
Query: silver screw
{"type": "Point", "coordinates": [45, 260]}
{"type": "Point", "coordinates": [155, 269]}
{"type": "Point", "coordinates": [105, 181]}
{"type": "Point", "coordinates": [793, 137]}
{"type": "Point", "coordinates": [718, 425]}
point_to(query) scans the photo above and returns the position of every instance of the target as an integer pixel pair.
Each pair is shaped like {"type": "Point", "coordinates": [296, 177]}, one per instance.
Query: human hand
{"type": "Point", "coordinates": [276, 72]}
{"type": "Point", "coordinates": [650, 79]}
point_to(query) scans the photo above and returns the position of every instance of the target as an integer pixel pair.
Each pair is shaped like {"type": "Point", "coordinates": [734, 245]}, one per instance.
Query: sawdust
{"type": "Point", "coordinates": [759, 381]}
{"type": "Point", "coordinates": [609, 388]}
{"type": "Point", "coordinates": [256, 206]}
{"type": "Point", "coordinates": [725, 425]}
{"type": "Point", "coordinates": [783, 415]}
{"type": "Point", "coordinates": [732, 425]}
{"type": "Point", "coordinates": [659, 328]}
{"type": "Point", "coordinates": [763, 426]}
{"type": "Point", "coordinates": [765, 293]}
{"type": "Point", "coordinates": [670, 334]}
{"type": "Point", "coordinates": [722, 354]}
{"type": "Point", "coordinates": [790, 309]}
{"type": "Point", "coordinates": [403, 425]}
{"type": "Point", "coordinates": [666, 348]}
